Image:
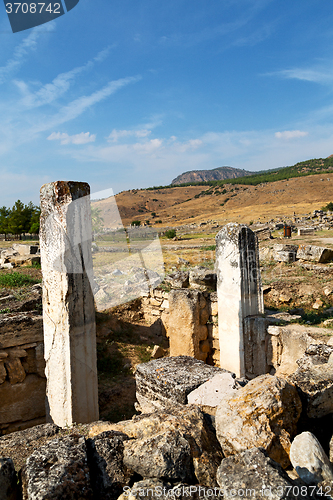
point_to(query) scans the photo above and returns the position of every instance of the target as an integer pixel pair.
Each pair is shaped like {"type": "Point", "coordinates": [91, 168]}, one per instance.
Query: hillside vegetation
{"type": "Point", "coordinates": [301, 169]}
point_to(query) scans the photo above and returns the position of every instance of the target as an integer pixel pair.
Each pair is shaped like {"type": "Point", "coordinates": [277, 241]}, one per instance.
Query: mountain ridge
{"type": "Point", "coordinates": [214, 174]}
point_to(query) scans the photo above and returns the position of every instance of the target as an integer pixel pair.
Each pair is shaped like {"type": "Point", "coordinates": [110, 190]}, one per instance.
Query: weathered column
{"type": "Point", "coordinates": [68, 304]}
{"type": "Point", "coordinates": [187, 330]}
{"type": "Point", "coordinates": [239, 291]}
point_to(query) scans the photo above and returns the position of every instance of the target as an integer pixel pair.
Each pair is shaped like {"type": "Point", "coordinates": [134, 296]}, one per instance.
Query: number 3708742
{"type": "Point", "coordinates": [33, 8]}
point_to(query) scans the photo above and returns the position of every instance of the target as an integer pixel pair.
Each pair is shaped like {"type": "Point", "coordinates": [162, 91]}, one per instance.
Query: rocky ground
{"type": "Point", "coordinates": [123, 339]}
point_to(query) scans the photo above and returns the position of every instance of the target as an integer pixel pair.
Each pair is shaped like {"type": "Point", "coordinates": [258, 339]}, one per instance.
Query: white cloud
{"type": "Point", "coordinates": [82, 138]}
{"type": "Point", "coordinates": [117, 134]}
{"type": "Point", "coordinates": [21, 51]}
{"type": "Point", "coordinates": [147, 147]}
{"type": "Point", "coordinates": [290, 134]}
{"type": "Point", "coordinates": [322, 74]}
{"type": "Point", "coordinates": [59, 85]}
{"type": "Point", "coordinates": [80, 105]}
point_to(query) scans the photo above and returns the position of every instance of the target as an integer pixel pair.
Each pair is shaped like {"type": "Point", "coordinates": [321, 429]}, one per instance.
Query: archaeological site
{"type": "Point", "coordinates": [176, 363]}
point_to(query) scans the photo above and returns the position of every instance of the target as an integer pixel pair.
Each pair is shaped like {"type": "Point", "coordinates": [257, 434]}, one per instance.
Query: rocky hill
{"type": "Point", "coordinates": [216, 174]}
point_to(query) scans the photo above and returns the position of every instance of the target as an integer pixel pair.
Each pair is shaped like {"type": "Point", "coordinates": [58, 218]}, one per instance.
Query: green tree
{"type": "Point", "coordinates": [34, 217]}
{"type": "Point", "coordinates": [4, 214]}
{"type": "Point", "coordinates": [18, 219]}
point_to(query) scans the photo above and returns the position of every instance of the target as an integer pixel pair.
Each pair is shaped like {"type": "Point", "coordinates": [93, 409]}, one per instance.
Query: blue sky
{"type": "Point", "coordinates": [131, 94]}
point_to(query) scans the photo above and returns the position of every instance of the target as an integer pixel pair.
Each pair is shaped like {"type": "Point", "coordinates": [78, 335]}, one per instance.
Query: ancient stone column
{"type": "Point", "coordinates": [239, 291]}
{"type": "Point", "coordinates": [68, 304]}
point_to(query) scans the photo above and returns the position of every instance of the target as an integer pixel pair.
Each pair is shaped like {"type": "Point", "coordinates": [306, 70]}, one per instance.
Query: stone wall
{"type": "Point", "coordinates": [22, 378]}
{"type": "Point", "coordinates": [188, 318]}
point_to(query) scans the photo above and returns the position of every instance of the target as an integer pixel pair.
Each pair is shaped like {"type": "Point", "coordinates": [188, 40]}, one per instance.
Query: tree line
{"type": "Point", "coordinates": [19, 219]}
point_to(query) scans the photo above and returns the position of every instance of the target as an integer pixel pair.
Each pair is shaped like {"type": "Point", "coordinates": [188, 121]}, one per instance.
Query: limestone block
{"type": "Point", "coordinates": [22, 249]}
{"type": "Point", "coordinates": [180, 279]}
{"type": "Point", "coordinates": [264, 413]}
{"type": "Point", "coordinates": [157, 352]}
{"type": "Point", "coordinates": [17, 353]}
{"type": "Point", "coordinates": [29, 363]}
{"type": "Point", "coordinates": [184, 329]}
{"type": "Point", "coordinates": [166, 455]}
{"type": "Point", "coordinates": [165, 304]}
{"type": "Point", "coordinates": [155, 302]}
{"type": "Point", "coordinates": [24, 260]}
{"type": "Point", "coordinates": [159, 294]}
{"type": "Point", "coordinates": [22, 401]}
{"type": "Point", "coordinates": [201, 278]}
{"type": "Point", "coordinates": [305, 230]}
{"type": "Point", "coordinates": [165, 382]}
{"type": "Point", "coordinates": [215, 344]}
{"type": "Point", "coordinates": [15, 370]}
{"type": "Point", "coordinates": [8, 480]}
{"type": "Point", "coordinates": [23, 328]}
{"type": "Point", "coordinates": [253, 474]}
{"type": "Point", "coordinates": [286, 344]}
{"type": "Point", "coordinates": [3, 372]}
{"type": "Point", "coordinates": [110, 474]}
{"type": "Point", "coordinates": [187, 420]}
{"type": "Point", "coordinates": [285, 256]}
{"type": "Point", "coordinates": [213, 391]}
{"type": "Point", "coordinates": [315, 253]}
{"type": "Point", "coordinates": [263, 233]}
{"type": "Point", "coordinates": [214, 308]}
{"type": "Point", "coordinates": [309, 459]}
{"type": "Point", "coordinates": [68, 303]}
{"type": "Point", "coordinates": [314, 380]}
{"type": "Point", "coordinates": [63, 458]}
{"type": "Point", "coordinates": [238, 289]}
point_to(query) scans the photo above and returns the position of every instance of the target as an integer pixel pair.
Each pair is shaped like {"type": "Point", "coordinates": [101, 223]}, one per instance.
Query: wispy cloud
{"type": "Point", "coordinates": [59, 86]}
{"type": "Point", "coordinates": [21, 51]}
{"type": "Point", "coordinates": [321, 74]}
{"type": "Point", "coordinates": [82, 138]}
{"type": "Point", "coordinates": [290, 134]}
{"type": "Point", "coordinates": [80, 105]}
{"type": "Point", "coordinates": [118, 134]}
{"type": "Point", "coordinates": [244, 17]}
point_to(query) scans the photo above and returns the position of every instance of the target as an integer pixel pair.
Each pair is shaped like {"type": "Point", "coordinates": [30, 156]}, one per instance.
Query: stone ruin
{"type": "Point", "coordinates": [201, 426]}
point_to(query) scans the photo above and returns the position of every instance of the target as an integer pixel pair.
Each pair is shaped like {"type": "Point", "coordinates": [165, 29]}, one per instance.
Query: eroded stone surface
{"type": "Point", "coordinates": [58, 471]}
{"type": "Point", "coordinates": [68, 303]}
{"type": "Point", "coordinates": [179, 279]}
{"type": "Point", "coordinates": [214, 390]}
{"type": "Point", "coordinates": [108, 473]}
{"type": "Point", "coordinates": [185, 327]}
{"type": "Point", "coordinates": [264, 413]}
{"type": "Point", "coordinates": [255, 472]}
{"type": "Point", "coordinates": [163, 382]}
{"type": "Point", "coordinates": [22, 401]}
{"type": "Point", "coordinates": [166, 456]}
{"type": "Point", "coordinates": [309, 459]}
{"type": "Point", "coordinates": [314, 253]}
{"type": "Point", "coordinates": [190, 422]}
{"type": "Point", "coordinates": [202, 278]}
{"type": "Point", "coordinates": [8, 480]}
{"type": "Point", "coordinates": [238, 289]}
{"type": "Point", "coordinates": [314, 379]}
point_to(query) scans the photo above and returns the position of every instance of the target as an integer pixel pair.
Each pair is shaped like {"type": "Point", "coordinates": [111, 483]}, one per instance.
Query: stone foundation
{"type": "Point", "coordinates": [22, 377]}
